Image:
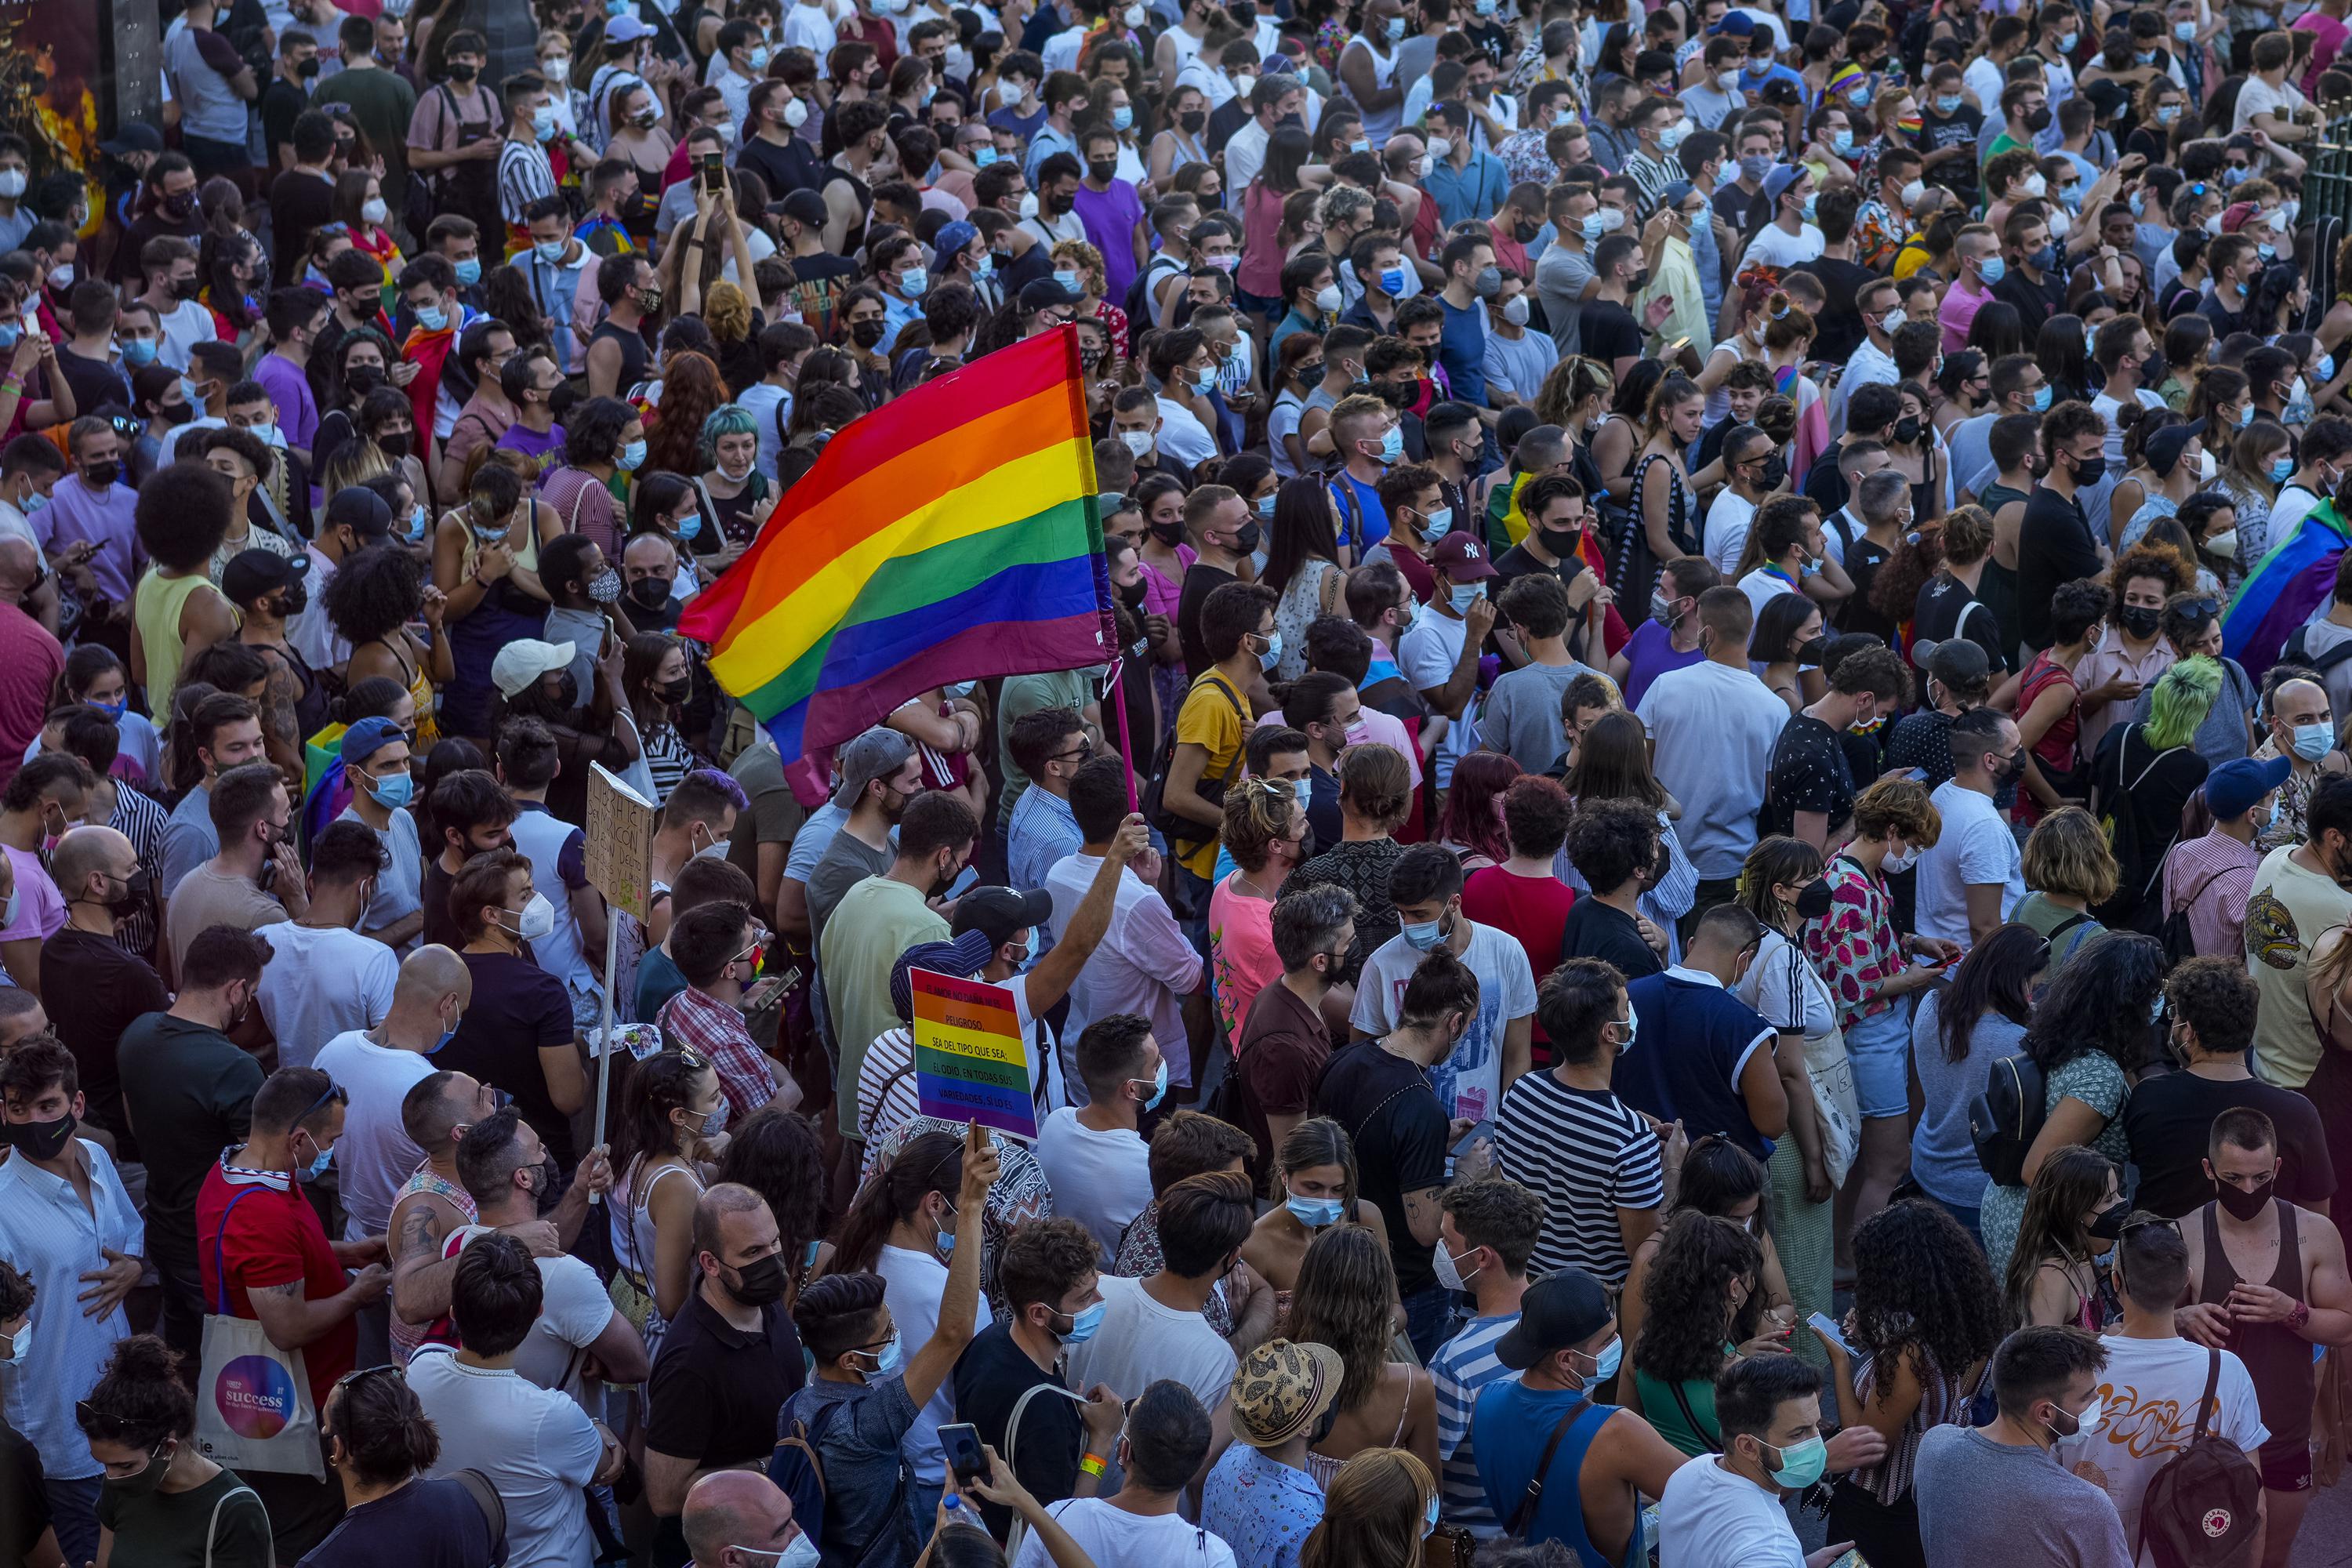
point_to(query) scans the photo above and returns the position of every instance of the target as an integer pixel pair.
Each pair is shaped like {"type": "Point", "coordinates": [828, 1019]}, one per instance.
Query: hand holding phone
{"type": "Point", "coordinates": [1820, 1324]}
{"type": "Point", "coordinates": [959, 1442]}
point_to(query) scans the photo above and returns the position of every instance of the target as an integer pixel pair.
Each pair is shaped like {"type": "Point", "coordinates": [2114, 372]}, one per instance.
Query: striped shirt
{"type": "Point", "coordinates": [139, 817]}
{"type": "Point", "coordinates": [524, 176]}
{"type": "Point", "coordinates": [1463, 1366]}
{"type": "Point", "coordinates": [1588, 1154]}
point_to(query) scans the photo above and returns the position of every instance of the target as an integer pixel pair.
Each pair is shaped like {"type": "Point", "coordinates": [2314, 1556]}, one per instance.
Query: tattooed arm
{"type": "Point", "coordinates": [291, 1321]}
{"type": "Point", "coordinates": [421, 1276]}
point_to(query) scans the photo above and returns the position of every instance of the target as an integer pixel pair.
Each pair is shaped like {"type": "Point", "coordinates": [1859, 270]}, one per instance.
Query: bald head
{"type": "Point", "coordinates": [92, 864]}
{"type": "Point", "coordinates": [737, 1519]}
{"type": "Point", "coordinates": [431, 974]}
{"type": "Point", "coordinates": [20, 567]}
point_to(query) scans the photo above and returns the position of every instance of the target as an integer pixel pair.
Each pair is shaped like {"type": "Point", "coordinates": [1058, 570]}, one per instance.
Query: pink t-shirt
{"type": "Point", "coordinates": [1242, 960]}
{"type": "Point", "coordinates": [2331, 33]}
{"type": "Point", "coordinates": [41, 908]}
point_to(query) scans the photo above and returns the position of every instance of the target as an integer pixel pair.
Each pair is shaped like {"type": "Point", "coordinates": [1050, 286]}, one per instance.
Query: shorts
{"type": "Point", "coordinates": [1879, 1047]}
{"type": "Point", "coordinates": [2286, 1467]}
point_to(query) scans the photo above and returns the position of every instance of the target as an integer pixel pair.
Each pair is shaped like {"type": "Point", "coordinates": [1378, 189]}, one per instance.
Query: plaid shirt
{"type": "Point", "coordinates": [695, 1021]}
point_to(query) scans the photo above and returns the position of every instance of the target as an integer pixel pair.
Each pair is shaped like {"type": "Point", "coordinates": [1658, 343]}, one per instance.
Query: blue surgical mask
{"type": "Point", "coordinates": [1812, 207]}
{"type": "Point", "coordinates": [1121, 118]}
{"type": "Point", "coordinates": [1205, 381]}
{"type": "Point", "coordinates": [2281, 467]}
{"type": "Point", "coordinates": [889, 1359]}
{"type": "Point", "coordinates": [1392, 281]}
{"type": "Point", "coordinates": [1084, 1324]}
{"type": "Point", "coordinates": [2326, 370]}
{"type": "Point", "coordinates": [1158, 1086]}
{"type": "Point", "coordinates": [1424, 935]}
{"type": "Point", "coordinates": [1392, 444]}
{"type": "Point", "coordinates": [469, 271]}
{"type": "Point", "coordinates": [1440, 523]}
{"type": "Point", "coordinates": [551, 252]}
{"type": "Point", "coordinates": [9, 332]}
{"type": "Point", "coordinates": [2245, 415]}
{"type": "Point", "coordinates": [1265, 506]}
{"type": "Point", "coordinates": [689, 526]}
{"type": "Point", "coordinates": [1067, 277]}
{"type": "Point", "coordinates": [1605, 1364]}
{"type": "Point", "coordinates": [1429, 1520]}
{"type": "Point", "coordinates": [419, 520]}
{"type": "Point", "coordinates": [2313, 741]}
{"type": "Point", "coordinates": [432, 318]}
{"type": "Point", "coordinates": [113, 711]}
{"type": "Point", "coordinates": [20, 1343]}
{"type": "Point", "coordinates": [631, 456]}
{"type": "Point", "coordinates": [1840, 143]}
{"type": "Point", "coordinates": [317, 1167]}
{"type": "Point", "coordinates": [1993, 269]}
{"type": "Point", "coordinates": [913, 281]}
{"type": "Point", "coordinates": [1948, 103]}
{"type": "Point", "coordinates": [139, 351]}
{"type": "Point", "coordinates": [1462, 596]}
{"type": "Point", "coordinates": [394, 792]}
{"type": "Point", "coordinates": [1305, 790]}
{"type": "Point", "coordinates": [1268, 660]}
{"type": "Point", "coordinates": [2042, 399]}
{"type": "Point", "coordinates": [1316, 1214]}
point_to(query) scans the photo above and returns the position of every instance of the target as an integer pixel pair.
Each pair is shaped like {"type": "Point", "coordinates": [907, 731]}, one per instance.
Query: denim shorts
{"type": "Point", "coordinates": [1879, 1047]}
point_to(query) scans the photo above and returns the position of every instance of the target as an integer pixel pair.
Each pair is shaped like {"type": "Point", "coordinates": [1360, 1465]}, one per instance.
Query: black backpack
{"type": "Point", "coordinates": [2202, 1507]}
{"type": "Point", "coordinates": [2297, 652]}
{"type": "Point", "coordinates": [2006, 1118]}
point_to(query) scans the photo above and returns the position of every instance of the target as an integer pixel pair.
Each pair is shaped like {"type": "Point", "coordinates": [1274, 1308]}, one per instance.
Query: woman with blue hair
{"type": "Point", "coordinates": [733, 496]}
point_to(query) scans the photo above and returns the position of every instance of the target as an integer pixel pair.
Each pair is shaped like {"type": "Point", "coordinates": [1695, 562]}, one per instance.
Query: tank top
{"type": "Point", "coordinates": [406, 1337]}
{"type": "Point", "coordinates": [632, 345]}
{"type": "Point", "coordinates": [633, 1248]}
{"type": "Point", "coordinates": [155, 606]}
{"type": "Point", "coordinates": [2277, 1358]}
{"type": "Point", "coordinates": [1380, 124]}
{"type": "Point", "coordinates": [420, 691]}
{"type": "Point", "coordinates": [1324, 1467]}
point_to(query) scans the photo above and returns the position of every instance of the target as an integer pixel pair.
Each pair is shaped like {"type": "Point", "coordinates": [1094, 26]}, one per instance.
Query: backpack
{"type": "Point", "coordinates": [2006, 1118]}
{"type": "Point", "coordinates": [2137, 869]}
{"type": "Point", "coordinates": [2297, 652]}
{"type": "Point", "coordinates": [2201, 1508]}
{"type": "Point", "coordinates": [2179, 942]}
{"type": "Point", "coordinates": [798, 1469]}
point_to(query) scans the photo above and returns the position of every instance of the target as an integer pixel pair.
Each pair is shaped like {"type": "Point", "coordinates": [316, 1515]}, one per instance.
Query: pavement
{"type": "Point", "coordinates": [2326, 1539]}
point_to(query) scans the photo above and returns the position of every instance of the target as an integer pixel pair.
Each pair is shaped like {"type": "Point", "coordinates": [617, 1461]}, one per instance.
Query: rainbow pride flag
{"type": "Point", "coordinates": [950, 535]}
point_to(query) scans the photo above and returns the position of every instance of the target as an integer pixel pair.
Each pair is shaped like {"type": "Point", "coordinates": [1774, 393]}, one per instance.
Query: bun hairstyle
{"type": "Point", "coordinates": [139, 1400]}
{"type": "Point", "coordinates": [1786, 322]}
{"type": "Point", "coordinates": [382, 1428]}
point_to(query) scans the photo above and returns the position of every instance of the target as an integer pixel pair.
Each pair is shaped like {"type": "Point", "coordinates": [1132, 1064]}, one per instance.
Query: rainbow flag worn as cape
{"type": "Point", "coordinates": [950, 535]}
{"type": "Point", "coordinates": [2295, 576]}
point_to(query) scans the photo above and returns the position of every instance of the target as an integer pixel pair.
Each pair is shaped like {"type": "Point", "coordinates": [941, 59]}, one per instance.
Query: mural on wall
{"type": "Point", "coordinates": [52, 62]}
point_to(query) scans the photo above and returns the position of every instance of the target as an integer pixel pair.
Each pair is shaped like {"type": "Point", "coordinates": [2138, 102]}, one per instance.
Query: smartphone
{"type": "Point", "coordinates": [959, 1441]}
{"type": "Point", "coordinates": [714, 172]}
{"type": "Point", "coordinates": [1483, 1131]}
{"type": "Point", "coordinates": [1821, 1320]}
{"type": "Point", "coordinates": [1917, 776]}
{"type": "Point", "coordinates": [763, 992]}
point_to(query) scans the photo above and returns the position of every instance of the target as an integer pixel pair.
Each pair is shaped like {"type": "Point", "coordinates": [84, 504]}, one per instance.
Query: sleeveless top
{"type": "Point", "coordinates": [632, 345]}
{"type": "Point", "coordinates": [1301, 602]}
{"type": "Point", "coordinates": [1324, 1467]}
{"type": "Point", "coordinates": [407, 1337]}
{"type": "Point", "coordinates": [1941, 1398]}
{"type": "Point", "coordinates": [1379, 124]}
{"type": "Point", "coordinates": [632, 1246]}
{"type": "Point", "coordinates": [2277, 1358]}
{"type": "Point", "coordinates": [155, 606]}
{"type": "Point", "coordinates": [420, 691]}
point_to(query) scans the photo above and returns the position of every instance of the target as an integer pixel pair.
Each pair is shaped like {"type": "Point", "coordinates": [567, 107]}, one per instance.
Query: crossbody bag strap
{"type": "Point", "coordinates": [1713, 1445]}
{"type": "Point", "coordinates": [220, 1241]}
{"type": "Point", "coordinates": [212, 1526]}
{"type": "Point", "coordinates": [1523, 1515]}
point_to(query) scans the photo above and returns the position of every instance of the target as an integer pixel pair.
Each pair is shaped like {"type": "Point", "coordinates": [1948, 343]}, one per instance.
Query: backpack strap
{"type": "Point", "coordinates": [1714, 1445]}
{"type": "Point", "coordinates": [211, 1525]}
{"type": "Point", "coordinates": [2207, 1406]}
{"type": "Point", "coordinates": [2069, 924]}
{"type": "Point", "coordinates": [486, 1498]}
{"type": "Point", "coordinates": [1523, 1515]}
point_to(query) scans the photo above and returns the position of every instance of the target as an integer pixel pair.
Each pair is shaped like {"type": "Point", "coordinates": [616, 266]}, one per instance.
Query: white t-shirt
{"type": "Point", "coordinates": [914, 1282]}
{"type": "Point", "coordinates": [321, 982]}
{"type": "Point", "coordinates": [1183, 435]}
{"type": "Point", "coordinates": [1776, 247]}
{"type": "Point", "coordinates": [1470, 1081]}
{"type": "Point", "coordinates": [2259, 97]}
{"type": "Point", "coordinates": [1713, 728]}
{"type": "Point", "coordinates": [2151, 1388]}
{"type": "Point", "coordinates": [1762, 587]}
{"type": "Point", "coordinates": [574, 1309]}
{"type": "Point", "coordinates": [185, 325]}
{"type": "Point", "coordinates": [1976, 849]}
{"type": "Point", "coordinates": [1141, 1342]}
{"type": "Point", "coordinates": [1426, 655]}
{"type": "Point", "coordinates": [1984, 82]}
{"type": "Point", "coordinates": [375, 1155]}
{"type": "Point", "coordinates": [1728, 519]}
{"type": "Point", "coordinates": [1110, 1535]}
{"type": "Point", "coordinates": [1714, 1516]}
{"type": "Point", "coordinates": [2105, 407]}
{"type": "Point", "coordinates": [536, 1448]}
{"type": "Point", "coordinates": [1102, 1180]}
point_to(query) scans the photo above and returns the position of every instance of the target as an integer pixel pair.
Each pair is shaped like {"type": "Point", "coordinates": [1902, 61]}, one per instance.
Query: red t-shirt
{"type": "Point", "coordinates": [274, 1238]}
{"type": "Point", "coordinates": [30, 663]}
{"type": "Point", "coordinates": [1533, 909]}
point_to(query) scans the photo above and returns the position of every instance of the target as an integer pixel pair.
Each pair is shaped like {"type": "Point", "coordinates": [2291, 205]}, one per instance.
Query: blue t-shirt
{"type": "Point", "coordinates": [1714, 1034]}
{"type": "Point", "coordinates": [1357, 503]}
{"type": "Point", "coordinates": [1511, 1425]}
{"type": "Point", "coordinates": [424, 1524]}
{"type": "Point", "coordinates": [1463, 349]}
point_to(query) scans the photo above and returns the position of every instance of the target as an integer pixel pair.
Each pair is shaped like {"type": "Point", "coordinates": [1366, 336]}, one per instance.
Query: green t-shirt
{"type": "Point", "coordinates": [2002, 144]}
{"type": "Point", "coordinates": [1025, 694]}
{"type": "Point", "coordinates": [1664, 1412]}
{"type": "Point", "coordinates": [220, 1522]}
{"type": "Point", "coordinates": [384, 105]}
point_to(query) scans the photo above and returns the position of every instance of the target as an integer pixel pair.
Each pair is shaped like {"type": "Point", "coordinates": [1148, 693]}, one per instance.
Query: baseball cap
{"type": "Point", "coordinates": [253, 572]}
{"type": "Point", "coordinates": [134, 136]}
{"type": "Point", "coordinates": [1282, 1388]}
{"type": "Point", "coordinates": [1736, 25]}
{"type": "Point", "coordinates": [961, 958]}
{"type": "Point", "coordinates": [2106, 97]}
{"type": "Point", "coordinates": [802, 206]}
{"type": "Point", "coordinates": [2231, 789]}
{"type": "Point", "coordinates": [1954, 661]}
{"type": "Point", "coordinates": [1042, 295]}
{"type": "Point", "coordinates": [367, 736]}
{"type": "Point", "coordinates": [2164, 447]}
{"type": "Point", "coordinates": [952, 237]}
{"type": "Point", "coordinates": [1002, 913]}
{"type": "Point", "coordinates": [1558, 1310]}
{"type": "Point", "coordinates": [876, 753]}
{"type": "Point", "coordinates": [525, 659]}
{"type": "Point", "coordinates": [1462, 557]}
{"type": "Point", "coordinates": [1777, 182]}
{"type": "Point", "coordinates": [626, 30]}
{"type": "Point", "coordinates": [361, 510]}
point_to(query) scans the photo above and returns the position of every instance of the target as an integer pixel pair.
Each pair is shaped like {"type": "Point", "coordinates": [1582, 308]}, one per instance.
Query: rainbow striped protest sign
{"type": "Point", "coordinates": [971, 1063]}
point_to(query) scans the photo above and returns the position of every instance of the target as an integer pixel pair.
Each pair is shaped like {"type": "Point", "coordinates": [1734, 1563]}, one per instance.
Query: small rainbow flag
{"type": "Point", "coordinates": [950, 535]}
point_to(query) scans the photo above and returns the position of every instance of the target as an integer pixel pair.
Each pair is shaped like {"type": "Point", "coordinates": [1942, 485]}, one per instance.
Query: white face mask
{"type": "Point", "coordinates": [1515, 310]}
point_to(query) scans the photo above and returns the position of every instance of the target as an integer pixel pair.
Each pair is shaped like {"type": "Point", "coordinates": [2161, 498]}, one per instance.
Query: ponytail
{"type": "Point", "coordinates": [933, 1163]}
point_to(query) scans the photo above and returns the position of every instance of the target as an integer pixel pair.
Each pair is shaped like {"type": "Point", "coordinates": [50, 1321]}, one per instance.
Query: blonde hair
{"type": "Point", "coordinates": [726, 312]}
{"type": "Point", "coordinates": [1258, 816]}
{"type": "Point", "coordinates": [2068, 855]}
{"type": "Point", "coordinates": [1373, 1513]}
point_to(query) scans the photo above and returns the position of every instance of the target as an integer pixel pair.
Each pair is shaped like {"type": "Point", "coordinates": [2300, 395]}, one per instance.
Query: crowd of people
{"type": "Point", "coordinates": [1734, 948]}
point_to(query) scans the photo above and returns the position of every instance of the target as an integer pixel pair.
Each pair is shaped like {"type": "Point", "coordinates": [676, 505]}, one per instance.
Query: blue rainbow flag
{"type": "Point", "coordinates": [2294, 577]}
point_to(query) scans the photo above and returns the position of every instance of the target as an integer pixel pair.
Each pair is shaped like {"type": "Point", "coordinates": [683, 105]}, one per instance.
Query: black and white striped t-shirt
{"type": "Point", "coordinates": [1588, 1154]}
{"type": "Point", "coordinates": [524, 175]}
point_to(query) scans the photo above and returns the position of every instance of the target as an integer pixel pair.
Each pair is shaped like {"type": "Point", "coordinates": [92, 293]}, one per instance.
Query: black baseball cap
{"type": "Point", "coordinates": [1002, 913]}
{"type": "Point", "coordinates": [361, 510]}
{"type": "Point", "coordinates": [1558, 1310]}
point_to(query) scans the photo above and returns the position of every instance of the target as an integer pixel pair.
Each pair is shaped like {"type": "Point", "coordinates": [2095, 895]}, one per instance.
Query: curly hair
{"type": "Point", "coordinates": [1918, 556]}
{"type": "Point", "coordinates": [1043, 1260]}
{"type": "Point", "coordinates": [139, 1400]}
{"type": "Point", "coordinates": [2070, 1183]}
{"type": "Point", "coordinates": [2146, 559]}
{"type": "Point", "coordinates": [2098, 1002]}
{"type": "Point", "coordinates": [1686, 1298]}
{"type": "Point", "coordinates": [374, 595]}
{"type": "Point", "coordinates": [1898, 805]}
{"type": "Point", "coordinates": [692, 391]}
{"type": "Point", "coordinates": [775, 1154]}
{"type": "Point", "coordinates": [1345, 1285]}
{"type": "Point", "coordinates": [1921, 1284]}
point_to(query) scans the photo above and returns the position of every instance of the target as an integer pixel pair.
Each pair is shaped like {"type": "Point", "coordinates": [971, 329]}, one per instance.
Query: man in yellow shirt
{"type": "Point", "coordinates": [1237, 630]}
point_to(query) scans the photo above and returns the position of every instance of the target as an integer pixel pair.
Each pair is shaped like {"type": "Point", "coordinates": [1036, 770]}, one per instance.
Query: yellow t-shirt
{"type": "Point", "coordinates": [2288, 909]}
{"type": "Point", "coordinates": [1215, 718]}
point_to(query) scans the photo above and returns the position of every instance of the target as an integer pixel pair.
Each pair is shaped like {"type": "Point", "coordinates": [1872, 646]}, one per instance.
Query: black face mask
{"type": "Point", "coordinates": [462, 73]}
{"type": "Point", "coordinates": [1813, 903]}
{"type": "Point", "coordinates": [865, 334]}
{"type": "Point", "coordinates": [1101, 170]}
{"type": "Point", "coordinates": [307, 69]}
{"type": "Point", "coordinates": [2139, 620]}
{"type": "Point", "coordinates": [1168, 533]}
{"type": "Point", "coordinates": [1526, 233]}
{"type": "Point", "coordinates": [2108, 1222]}
{"type": "Point", "coordinates": [293, 599]}
{"type": "Point", "coordinates": [1561, 542]}
{"type": "Point", "coordinates": [675, 691]}
{"type": "Point", "coordinates": [1192, 119]}
{"type": "Point", "coordinates": [38, 1139]}
{"type": "Point", "coordinates": [174, 414]}
{"type": "Point", "coordinates": [393, 444]}
{"type": "Point", "coordinates": [1245, 538]}
{"type": "Point", "coordinates": [2038, 120]}
{"type": "Point", "coordinates": [1133, 594]}
{"type": "Point", "coordinates": [1814, 652]}
{"type": "Point", "coordinates": [1907, 431]}
{"type": "Point", "coordinates": [186, 289]}
{"type": "Point", "coordinates": [759, 1282]}
{"type": "Point", "coordinates": [135, 896]}
{"type": "Point", "coordinates": [653, 593]}
{"type": "Point", "coordinates": [2237, 1203]}
{"type": "Point", "coordinates": [99, 475]}
{"type": "Point", "coordinates": [1776, 468]}
{"type": "Point", "coordinates": [1058, 205]}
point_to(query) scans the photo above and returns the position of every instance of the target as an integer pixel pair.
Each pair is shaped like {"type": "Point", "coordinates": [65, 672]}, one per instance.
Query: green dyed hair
{"type": "Point", "coordinates": [2184, 695]}
{"type": "Point", "coordinates": [727, 419]}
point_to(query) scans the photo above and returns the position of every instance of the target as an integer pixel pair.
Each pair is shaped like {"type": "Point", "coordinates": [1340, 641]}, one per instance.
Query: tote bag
{"type": "Point", "coordinates": [253, 1400]}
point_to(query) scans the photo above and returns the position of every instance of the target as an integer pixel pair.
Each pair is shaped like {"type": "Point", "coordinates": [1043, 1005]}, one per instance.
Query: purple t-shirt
{"type": "Point", "coordinates": [297, 411]}
{"type": "Point", "coordinates": [546, 450]}
{"type": "Point", "coordinates": [1111, 218]}
{"type": "Point", "coordinates": [107, 517]}
{"type": "Point", "coordinates": [1651, 652]}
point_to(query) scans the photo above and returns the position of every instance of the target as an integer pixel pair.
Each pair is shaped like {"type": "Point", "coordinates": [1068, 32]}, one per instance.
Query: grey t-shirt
{"type": "Point", "coordinates": [847, 861]}
{"type": "Point", "coordinates": [1982, 1501]}
{"type": "Point", "coordinates": [1561, 276]}
{"type": "Point", "coordinates": [864, 1470]}
{"type": "Point", "coordinates": [585, 630]}
{"type": "Point", "coordinates": [1522, 714]}
{"type": "Point", "coordinates": [399, 891]}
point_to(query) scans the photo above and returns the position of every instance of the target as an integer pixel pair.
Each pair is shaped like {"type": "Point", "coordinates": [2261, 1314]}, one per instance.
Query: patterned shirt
{"type": "Point", "coordinates": [1260, 1507]}
{"type": "Point", "coordinates": [2293, 800]}
{"type": "Point", "coordinates": [1855, 946]}
{"type": "Point", "coordinates": [1362, 867]}
{"type": "Point", "coordinates": [1525, 160]}
{"type": "Point", "coordinates": [139, 817]}
{"type": "Point", "coordinates": [693, 1020]}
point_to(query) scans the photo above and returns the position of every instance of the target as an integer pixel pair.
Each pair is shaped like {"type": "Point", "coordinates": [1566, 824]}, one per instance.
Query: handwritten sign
{"type": "Point", "coordinates": [620, 842]}
{"type": "Point", "coordinates": [971, 1062]}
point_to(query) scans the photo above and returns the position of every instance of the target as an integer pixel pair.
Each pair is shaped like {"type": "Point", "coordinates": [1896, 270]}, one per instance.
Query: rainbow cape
{"type": "Point", "coordinates": [950, 535]}
{"type": "Point", "coordinates": [2294, 577]}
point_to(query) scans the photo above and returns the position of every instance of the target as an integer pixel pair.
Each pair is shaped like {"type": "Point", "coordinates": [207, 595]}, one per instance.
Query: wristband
{"type": "Point", "coordinates": [2298, 1317]}
{"type": "Point", "coordinates": [1092, 1465]}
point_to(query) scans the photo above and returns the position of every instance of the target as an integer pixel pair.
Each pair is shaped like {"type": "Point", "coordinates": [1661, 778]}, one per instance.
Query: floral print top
{"type": "Point", "coordinates": [1855, 947]}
